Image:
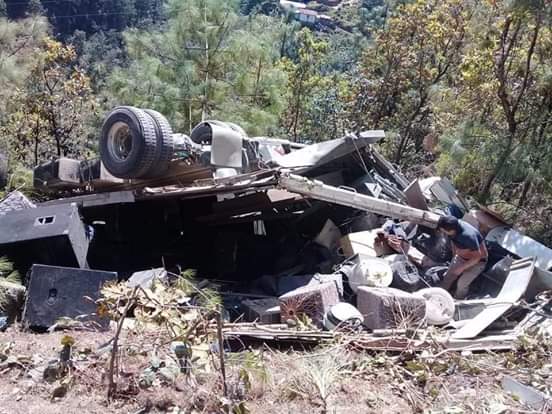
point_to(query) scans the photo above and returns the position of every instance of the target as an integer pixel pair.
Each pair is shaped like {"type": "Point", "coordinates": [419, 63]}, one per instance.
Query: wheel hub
{"type": "Point", "coordinates": [119, 141]}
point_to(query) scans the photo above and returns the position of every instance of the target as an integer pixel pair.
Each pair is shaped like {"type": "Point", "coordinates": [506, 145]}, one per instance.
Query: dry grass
{"type": "Point", "coordinates": [317, 376]}
{"type": "Point", "coordinates": [332, 379]}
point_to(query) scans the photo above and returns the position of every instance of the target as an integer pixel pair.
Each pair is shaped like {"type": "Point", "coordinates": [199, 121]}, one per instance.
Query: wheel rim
{"type": "Point", "coordinates": [119, 141]}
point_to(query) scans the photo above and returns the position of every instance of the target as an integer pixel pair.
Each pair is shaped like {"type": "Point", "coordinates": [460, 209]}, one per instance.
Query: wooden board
{"type": "Point", "coordinates": [92, 177]}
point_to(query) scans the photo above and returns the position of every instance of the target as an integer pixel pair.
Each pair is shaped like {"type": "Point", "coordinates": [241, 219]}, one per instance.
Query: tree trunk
{"type": "Point", "coordinates": [36, 140]}
{"type": "Point", "coordinates": [524, 192]}
{"type": "Point", "coordinates": [406, 136]}
{"type": "Point", "coordinates": [486, 192]}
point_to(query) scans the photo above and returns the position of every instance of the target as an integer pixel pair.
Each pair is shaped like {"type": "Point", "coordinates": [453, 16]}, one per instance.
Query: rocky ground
{"type": "Point", "coordinates": [328, 379]}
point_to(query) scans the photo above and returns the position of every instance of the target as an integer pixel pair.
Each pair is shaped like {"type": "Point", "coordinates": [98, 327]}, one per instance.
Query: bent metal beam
{"type": "Point", "coordinates": [346, 197]}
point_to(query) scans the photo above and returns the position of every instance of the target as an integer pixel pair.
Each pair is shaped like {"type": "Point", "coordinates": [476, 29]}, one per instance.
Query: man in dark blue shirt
{"type": "Point", "coordinates": [469, 254]}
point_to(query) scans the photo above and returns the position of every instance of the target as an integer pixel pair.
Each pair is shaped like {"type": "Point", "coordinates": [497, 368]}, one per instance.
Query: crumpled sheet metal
{"type": "Point", "coordinates": [521, 245]}
{"type": "Point", "coordinates": [324, 152]}
{"type": "Point", "coordinates": [226, 149]}
{"type": "Point", "coordinates": [526, 394]}
{"type": "Point", "coordinates": [513, 289]}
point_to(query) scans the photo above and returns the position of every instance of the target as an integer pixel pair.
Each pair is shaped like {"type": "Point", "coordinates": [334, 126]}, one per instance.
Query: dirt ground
{"type": "Point", "coordinates": [262, 380]}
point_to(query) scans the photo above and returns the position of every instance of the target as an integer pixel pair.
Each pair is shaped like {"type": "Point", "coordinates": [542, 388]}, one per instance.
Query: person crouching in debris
{"type": "Point", "coordinates": [469, 254]}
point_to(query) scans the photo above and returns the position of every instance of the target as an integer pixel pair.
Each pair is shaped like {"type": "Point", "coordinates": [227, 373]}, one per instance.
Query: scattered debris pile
{"type": "Point", "coordinates": [290, 243]}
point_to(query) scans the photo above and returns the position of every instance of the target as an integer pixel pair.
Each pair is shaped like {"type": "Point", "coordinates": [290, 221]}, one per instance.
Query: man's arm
{"type": "Point", "coordinates": [472, 257]}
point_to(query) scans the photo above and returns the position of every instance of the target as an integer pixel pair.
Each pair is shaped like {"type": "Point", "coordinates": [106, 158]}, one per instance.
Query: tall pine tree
{"type": "Point", "coordinates": [208, 62]}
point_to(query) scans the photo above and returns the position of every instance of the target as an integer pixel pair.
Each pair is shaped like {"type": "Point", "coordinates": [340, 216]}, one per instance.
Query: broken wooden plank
{"type": "Point", "coordinates": [389, 340]}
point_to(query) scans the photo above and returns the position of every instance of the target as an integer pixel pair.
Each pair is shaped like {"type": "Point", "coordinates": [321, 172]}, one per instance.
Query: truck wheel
{"type": "Point", "coordinates": [165, 142]}
{"type": "Point", "coordinates": [128, 143]}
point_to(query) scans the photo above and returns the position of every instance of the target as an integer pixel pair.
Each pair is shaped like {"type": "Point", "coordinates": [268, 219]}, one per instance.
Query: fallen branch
{"type": "Point", "coordinates": [221, 352]}
{"type": "Point", "coordinates": [111, 388]}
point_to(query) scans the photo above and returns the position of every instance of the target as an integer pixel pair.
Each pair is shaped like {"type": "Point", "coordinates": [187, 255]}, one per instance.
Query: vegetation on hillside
{"type": "Point", "coordinates": [462, 88]}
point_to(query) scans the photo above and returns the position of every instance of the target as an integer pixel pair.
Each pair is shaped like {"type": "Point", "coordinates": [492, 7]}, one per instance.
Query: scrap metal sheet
{"type": "Point", "coordinates": [226, 149]}
{"type": "Point", "coordinates": [521, 245]}
{"type": "Point", "coordinates": [323, 152]}
{"type": "Point", "coordinates": [513, 289]}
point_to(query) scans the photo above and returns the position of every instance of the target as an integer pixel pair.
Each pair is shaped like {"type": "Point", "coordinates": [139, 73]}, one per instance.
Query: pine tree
{"type": "Point", "coordinates": [208, 62]}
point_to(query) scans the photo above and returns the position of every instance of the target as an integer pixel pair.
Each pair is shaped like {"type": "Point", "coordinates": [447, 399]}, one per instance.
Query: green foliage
{"type": "Point", "coordinates": [48, 115]}
{"type": "Point", "coordinates": [304, 81]}
{"type": "Point", "coordinates": [5, 265]}
{"type": "Point", "coordinates": [8, 271]}
{"type": "Point", "coordinates": [250, 6]}
{"type": "Point", "coordinates": [18, 44]}
{"type": "Point", "coordinates": [373, 14]}
{"type": "Point", "coordinates": [207, 62]}
{"type": "Point", "coordinates": [410, 57]}
{"type": "Point", "coordinates": [90, 16]}
{"type": "Point", "coordinates": [506, 83]}
{"type": "Point", "coordinates": [475, 75]}
{"type": "Point", "coordinates": [99, 53]}
{"type": "Point", "coordinates": [20, 179]}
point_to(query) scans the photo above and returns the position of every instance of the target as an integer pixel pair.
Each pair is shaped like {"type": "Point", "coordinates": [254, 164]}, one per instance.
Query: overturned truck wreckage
{"type": "Point", "coordinates": [328, 235]}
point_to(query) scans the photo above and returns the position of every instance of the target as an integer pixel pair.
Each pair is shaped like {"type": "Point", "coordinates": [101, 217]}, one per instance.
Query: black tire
{"type": "Point", "coordinates": [135, 153]}
{"type": "Point", "coordinates": [165, 142]}
{"type": "Point", "coordinates": [405, 276]}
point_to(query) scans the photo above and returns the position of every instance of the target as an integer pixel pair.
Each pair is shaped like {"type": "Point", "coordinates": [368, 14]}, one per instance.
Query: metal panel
{"type": "Point", "coordinates": [60, 173]}
{"type": "Point", "coordinates": [226, 149]}
{"type": "Point", "coordinates": [513, 289]}
{"type": "Point", "coordinates": [44, 224]}
{"type": "Point", "coordinates": [521, 245]}
{"type": "Point", "coordinates": [324, 152]}
{"type": "Point", "coordinates": [56, 292]}
{"type": "Point", "coordinates": [95, 200]}
{"type": "Point", "coordinates": [415, 197]}
{"type": "Point", "coordinates": [15, 201]}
